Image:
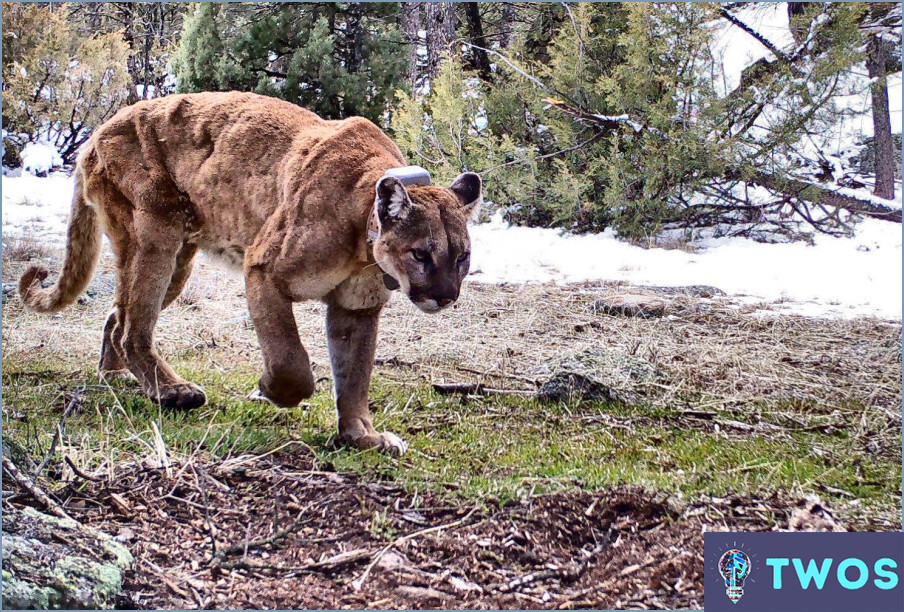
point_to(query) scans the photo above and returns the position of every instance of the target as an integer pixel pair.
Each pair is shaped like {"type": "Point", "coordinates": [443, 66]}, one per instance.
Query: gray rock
{"type": "Point", "coordinates": [704, 291]}
{"type": "Point", "coordinates": [600, 374]}
{"type": "Point", "coordinates": [54, 563]}
{"type": "Point", "coordinates": [9, 290]}
{"type": "Point", "coordinates": [631, 305]}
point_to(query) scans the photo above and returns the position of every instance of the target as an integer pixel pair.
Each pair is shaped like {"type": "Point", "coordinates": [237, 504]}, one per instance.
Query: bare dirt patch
{"type": "Point", "coordinates": [274, 532]}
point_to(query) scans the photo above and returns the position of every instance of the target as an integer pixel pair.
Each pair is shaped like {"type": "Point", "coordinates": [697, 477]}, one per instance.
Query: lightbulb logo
{"type": "Point", "coordinates": [734, 566]}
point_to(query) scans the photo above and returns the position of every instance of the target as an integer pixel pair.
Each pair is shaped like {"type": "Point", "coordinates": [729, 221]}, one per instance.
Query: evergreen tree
{"type": "Point", "coordinates": [611, 116]}
{"type": "Point", "coordinates": [150, 29]}
{"type": "Point", "coordinates": [337, 59]}
{"type": "Point", "coordinates": [57, 85]}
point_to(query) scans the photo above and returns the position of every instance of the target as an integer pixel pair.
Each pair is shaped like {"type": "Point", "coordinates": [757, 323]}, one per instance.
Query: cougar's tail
{"type": "Point", "coordinates": [83, 244]}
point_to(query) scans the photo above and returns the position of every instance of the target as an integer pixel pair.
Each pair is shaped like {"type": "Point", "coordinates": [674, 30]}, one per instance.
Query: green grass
{"type": "Point", "coordinates": [494, 447]}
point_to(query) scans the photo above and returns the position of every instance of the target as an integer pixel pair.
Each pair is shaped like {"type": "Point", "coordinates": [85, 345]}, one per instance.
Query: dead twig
{"type": "Point", "coordinates": [58, 432]}
{"type": "Point", "coordinates": [32, 489]}
{"type": "Point", "coordinates": [211, 530]}
{"type": "Point", "coordinates": [80, 473]}
{"type": "Point", "coordinates": [330, 564]}
{"type": "Point", "coordinates": [245, 546]}
{"type": "Point", "coordinates": [475, 389]}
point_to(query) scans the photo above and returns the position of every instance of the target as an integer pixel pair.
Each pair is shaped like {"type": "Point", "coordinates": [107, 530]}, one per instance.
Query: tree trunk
{"type": "Point", "coordinates": [885, 149]}
{"type": "Point", "coordinates": [411, 25]}
{"type": "Point", "coordinates": [440, 21]}
{"type": "Point", "coordinates": [475, 33]}
{"type": "Point", "coordinates": [127, 12]}
{"type": "Point", "coordinates": [354, 38]}
{"type": "Point", "coordinates": [508, 16]}
{"type": "Point", "coordinates": [795, 21]}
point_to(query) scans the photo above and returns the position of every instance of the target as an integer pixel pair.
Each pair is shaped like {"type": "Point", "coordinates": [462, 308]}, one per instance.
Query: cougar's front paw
{"type": "Point", "coordinates": [286, 390]}
{"type": "Point", "coordinates": [184, 396]}
{"type": "Point", "coordinates": [386, 442]}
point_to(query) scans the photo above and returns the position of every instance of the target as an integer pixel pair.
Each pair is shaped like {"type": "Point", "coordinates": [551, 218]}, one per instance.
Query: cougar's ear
{"type": "Point", "coordinates": [468, 189]}
{"type": "Point", "coordinates": [393, 203]}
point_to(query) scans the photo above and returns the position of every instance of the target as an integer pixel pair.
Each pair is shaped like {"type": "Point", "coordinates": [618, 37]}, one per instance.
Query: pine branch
{"type": "Point", "coordinates": [759, 37]}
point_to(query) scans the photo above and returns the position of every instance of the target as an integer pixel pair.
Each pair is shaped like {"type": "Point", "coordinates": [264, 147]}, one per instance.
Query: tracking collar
{"type": "Point", "coordinates": [408, 175]}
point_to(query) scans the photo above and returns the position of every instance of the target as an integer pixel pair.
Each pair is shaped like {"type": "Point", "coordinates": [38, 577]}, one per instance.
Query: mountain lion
{"type": "Point", "coordinates": [301, 204]}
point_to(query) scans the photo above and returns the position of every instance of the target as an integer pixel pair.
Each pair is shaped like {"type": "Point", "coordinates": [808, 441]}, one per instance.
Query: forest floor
{"type": "Point", "coordinates": [502, 501]}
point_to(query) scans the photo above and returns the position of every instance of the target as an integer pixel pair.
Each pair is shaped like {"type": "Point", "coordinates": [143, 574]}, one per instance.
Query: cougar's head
{"type": "Point", "coordinates": [423, 242]}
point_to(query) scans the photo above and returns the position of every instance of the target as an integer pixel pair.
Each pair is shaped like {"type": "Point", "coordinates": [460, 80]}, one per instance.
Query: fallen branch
{"type": "Point", "coordinates": [803, 190]}
{"type": "Point", "coordinates": [32, 489]}
{"type": "Point", "coordinates": [58, 433]}
{"type": "Point", "coordinates": [330, 564]}
{"type": "Point", "coordinates": [475, 389]}
{"type": "Point", "coordinates": [816, 194]}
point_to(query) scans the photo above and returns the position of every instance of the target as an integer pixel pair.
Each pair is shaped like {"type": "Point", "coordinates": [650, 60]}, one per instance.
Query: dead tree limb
{"type": "Point", "coordinates": [759, 37]}
{"type": "Point", "coordinates": [803, 190]}
{"type": "Point", "coordinates": [32, 489]}
{"type": "Point", "coordinates": [816, 194]}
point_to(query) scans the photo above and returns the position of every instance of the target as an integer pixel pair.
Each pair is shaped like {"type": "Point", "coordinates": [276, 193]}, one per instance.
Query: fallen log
{"type": "Point", "coordinates": [816, 194]}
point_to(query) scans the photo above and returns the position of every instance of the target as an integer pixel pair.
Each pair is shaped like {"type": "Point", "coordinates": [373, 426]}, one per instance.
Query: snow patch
{"type": "Point", "coordinates": [40, 157]}
{"type": "Point", "coordinates": [837, 277]}
{"type": "Point", "coordinates": [37, 207]}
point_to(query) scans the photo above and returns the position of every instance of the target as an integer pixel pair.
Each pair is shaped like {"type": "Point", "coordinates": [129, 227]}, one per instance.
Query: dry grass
{"type": "Point", "coordinates": [715, 353]}
{"type": "Point", "coordinates": [24, 248]}
{"type": "Point", "coordinates": [781, 403]}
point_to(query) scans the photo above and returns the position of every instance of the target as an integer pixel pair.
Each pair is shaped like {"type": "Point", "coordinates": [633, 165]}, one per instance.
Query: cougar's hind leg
{"type": "Point", "coordinates": [153, 266]}
{"type": "Point", "coordinates": [112, 362]}
{"type": "Point", "coordinates": [117, 216]}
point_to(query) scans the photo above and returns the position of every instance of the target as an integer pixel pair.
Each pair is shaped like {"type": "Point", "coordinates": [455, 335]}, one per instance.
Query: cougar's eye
{"type": "Point", "coordinates": [420, 255]}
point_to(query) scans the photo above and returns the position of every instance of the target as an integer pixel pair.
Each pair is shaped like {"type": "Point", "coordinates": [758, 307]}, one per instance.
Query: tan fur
{"type": "Point", "coordinates": [82, 254]}
{"type": "Point", "coordinates": [289, 197]}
